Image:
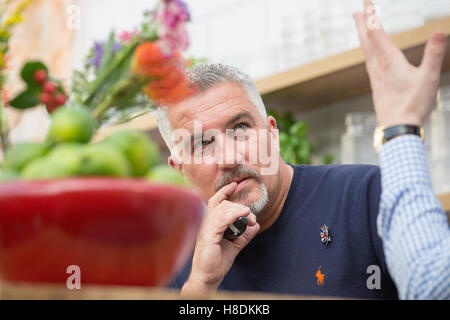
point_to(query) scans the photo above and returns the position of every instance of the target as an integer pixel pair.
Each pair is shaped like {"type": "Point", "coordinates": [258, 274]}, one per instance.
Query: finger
{"type": "Point", "coordinates": [434, 53]}
{"type": "Point", "coordinates": [362, 33]}
{"type": "Point", "coordinates": [223, 219]}
{"type": "Point", "coordinates": [228, 204]}
{"type": "Point", "coordinates": [366, 44]}
{"type": "Point", "coordinates": [231, 206]}
{"type": "Point", "coordinates": [251, 219]}
{"type": "Point", "coordinates": [240, 242]}
{"type": "Point", "coordinates": [379, 42]}
{"type": "Point", "coordinates": [222, 194]}
{"type": "Point", "coordinates": [218, 220]}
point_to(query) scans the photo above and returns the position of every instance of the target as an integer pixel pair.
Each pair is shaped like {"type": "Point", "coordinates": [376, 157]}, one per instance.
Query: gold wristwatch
{"type": "Point", "coordinates": [383, 134]}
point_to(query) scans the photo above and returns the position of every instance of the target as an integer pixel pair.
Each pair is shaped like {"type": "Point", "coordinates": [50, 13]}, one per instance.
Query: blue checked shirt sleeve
{"type": "Point", "coordinates": [412, 222]}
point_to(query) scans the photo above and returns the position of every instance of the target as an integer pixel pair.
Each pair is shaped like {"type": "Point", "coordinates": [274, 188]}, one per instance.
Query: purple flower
{"type": "Point", "coordinates": [98, 51]}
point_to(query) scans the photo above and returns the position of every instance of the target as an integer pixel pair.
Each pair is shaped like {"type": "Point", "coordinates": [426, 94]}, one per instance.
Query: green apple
{"type": "Point", "coordinates": [142, 153]}
{"type": "Point", "coordinates": [166, 175]}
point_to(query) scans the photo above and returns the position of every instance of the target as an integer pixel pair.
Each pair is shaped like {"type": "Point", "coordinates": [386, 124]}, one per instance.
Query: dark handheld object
{"type": "Point", "coordinates": [236, 229]}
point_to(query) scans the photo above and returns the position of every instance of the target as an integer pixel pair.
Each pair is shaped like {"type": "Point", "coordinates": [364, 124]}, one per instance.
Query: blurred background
{"type": "Point", "coordinates": [302, 54]}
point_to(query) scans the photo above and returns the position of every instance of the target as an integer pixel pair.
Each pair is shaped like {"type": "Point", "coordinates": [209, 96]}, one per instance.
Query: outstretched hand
{"type": "Point", "coordinates": [402, 93]}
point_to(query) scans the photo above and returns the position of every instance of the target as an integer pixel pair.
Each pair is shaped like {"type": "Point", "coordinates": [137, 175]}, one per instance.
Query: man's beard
{"type": "Point", "coordinates": [255, 206]}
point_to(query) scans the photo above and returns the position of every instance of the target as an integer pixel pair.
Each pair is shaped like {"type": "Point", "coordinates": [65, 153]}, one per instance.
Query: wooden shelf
{"type": "Point", "coordinates": [342, 76]}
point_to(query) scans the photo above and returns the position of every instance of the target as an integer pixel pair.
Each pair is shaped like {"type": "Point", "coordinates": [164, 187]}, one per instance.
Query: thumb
{"type": "Point", "coordinates": [434, 53]}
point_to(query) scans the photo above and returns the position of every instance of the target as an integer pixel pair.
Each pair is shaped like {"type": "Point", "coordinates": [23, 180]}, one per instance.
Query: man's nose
{"type": "Point", "coordinates": [233, 153]}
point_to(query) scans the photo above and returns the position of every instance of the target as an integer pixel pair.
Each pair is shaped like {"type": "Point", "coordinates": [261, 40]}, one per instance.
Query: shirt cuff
{"type": "Point", "coordinates": [403, 161]}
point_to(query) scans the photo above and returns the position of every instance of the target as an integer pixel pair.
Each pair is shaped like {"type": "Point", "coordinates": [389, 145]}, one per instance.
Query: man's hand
{"type": "Point", "coordinates": [402, 93]}
{"type": "Point", "coordinates": [214, 255]}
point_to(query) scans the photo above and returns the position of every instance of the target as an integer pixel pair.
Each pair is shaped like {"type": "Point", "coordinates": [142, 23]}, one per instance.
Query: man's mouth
{"type": "Point", "coordinates": [242, 182]}
{"type": "Point", "coordinates": [240, 179]}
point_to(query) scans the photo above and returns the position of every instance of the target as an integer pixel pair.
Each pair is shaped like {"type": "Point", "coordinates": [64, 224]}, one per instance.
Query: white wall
{"type": "Point", "coordinates": [99, 17]}
{"type": "Point", "coordinates": [261, 37]}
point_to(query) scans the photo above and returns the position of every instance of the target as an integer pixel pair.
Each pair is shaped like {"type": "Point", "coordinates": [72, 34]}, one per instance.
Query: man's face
{"type": "Point", "coordinates": [224, 125]}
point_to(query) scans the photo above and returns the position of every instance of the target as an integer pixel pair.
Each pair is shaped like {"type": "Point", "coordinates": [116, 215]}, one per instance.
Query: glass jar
{"type": "Point", "coordinates": [338, 27]}
{"type": "Point", "coordinates": [440, 143]}
{"type": "Point", "coordinates": [357, 141]}
{"type": "Point", "coordinates": [300, 32]}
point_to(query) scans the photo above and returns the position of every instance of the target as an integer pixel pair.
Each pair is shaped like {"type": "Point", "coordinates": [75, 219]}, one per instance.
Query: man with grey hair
{"type": "Point", "coordinates": [311, 229]}
{"type": "Point", "coordinates": [204, 77]}
{"type": "Point", "coordinates": [301, 219]}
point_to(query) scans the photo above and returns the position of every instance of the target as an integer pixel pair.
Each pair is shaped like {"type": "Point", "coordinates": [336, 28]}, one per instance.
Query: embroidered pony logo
{"type": "Point", "coordinates": [320, 277]}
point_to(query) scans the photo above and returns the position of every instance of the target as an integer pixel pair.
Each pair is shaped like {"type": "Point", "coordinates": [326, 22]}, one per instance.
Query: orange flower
{"type": "Point", "coordinates": [168, 79]}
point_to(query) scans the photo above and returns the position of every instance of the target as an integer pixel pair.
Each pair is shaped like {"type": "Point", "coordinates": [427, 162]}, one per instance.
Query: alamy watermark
{"type": "Point", "coordinates": [235, 146]}
{"type": "Point", "coordinates": [374, 280]}
{"type": "Point", "coordinates": [73, 17]}
{"type": "Point", "coordinates": [74, 280]}
{"type": "Point", "coordinates": [374, 20]}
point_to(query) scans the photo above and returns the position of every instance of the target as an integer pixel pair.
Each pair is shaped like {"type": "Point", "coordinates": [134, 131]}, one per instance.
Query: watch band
{"type": "Point", "coordinates": [394, 131]}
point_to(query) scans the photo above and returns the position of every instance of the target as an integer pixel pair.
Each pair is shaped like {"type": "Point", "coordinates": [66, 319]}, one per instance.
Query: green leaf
{"type": "Point", "coordinates": [28, 71]}
{"type": "Point", "coordinates": [130, 94]}
{"type": "Point", "coordinates": [299, 129]}
{"type": "Point", "coordinates": [112, 71]}
{"type": "Point", "coordinates": [296, 141]}
{"type": "Point", "coordinates": [327, 159]}
{"type": "Point", "coordinates": [108, 51]}
{"type": "Point", "coordinates": [304, 152]}
{"type": "Point", "coordinates": [80, 85]}
{"type": "Point", "coordinates": [284, 139]}
{"type": "Point", "coordinates": [289, 156]}
{"type": "Point", "coordinates": [149, 31]}
{"type": "Point", "coordinates": [287, 120]}
{"type": "Point", "coordinates": [27, 99]}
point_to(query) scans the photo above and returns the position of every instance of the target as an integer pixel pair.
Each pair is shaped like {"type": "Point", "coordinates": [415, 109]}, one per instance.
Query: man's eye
{"type": "Point", "coordinates": [202, 144]}
{"type": "Point", "coordinates": [240, 126]}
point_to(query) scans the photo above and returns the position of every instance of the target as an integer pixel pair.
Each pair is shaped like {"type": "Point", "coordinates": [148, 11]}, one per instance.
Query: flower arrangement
{"type": "Point", "coordinates": [134, 69]}
{"type": "Point", "coordinates": [123, 77]}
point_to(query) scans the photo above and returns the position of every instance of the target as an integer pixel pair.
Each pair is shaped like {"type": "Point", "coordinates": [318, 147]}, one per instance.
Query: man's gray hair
{"type": "Point", "coordinates": [204, 77]}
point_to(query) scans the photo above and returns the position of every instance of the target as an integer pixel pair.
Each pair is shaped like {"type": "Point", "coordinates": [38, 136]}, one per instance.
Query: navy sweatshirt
{"type": "Point", "coordinates": [289, 257]}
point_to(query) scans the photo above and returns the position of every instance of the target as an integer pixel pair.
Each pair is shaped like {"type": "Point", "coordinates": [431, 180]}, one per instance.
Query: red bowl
{"type": "Point", "coordinates": [117, 231]}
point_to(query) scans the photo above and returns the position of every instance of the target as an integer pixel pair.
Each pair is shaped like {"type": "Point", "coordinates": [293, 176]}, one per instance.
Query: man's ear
{"type": "Point", "coordinates": [174, 164]}
{"type": "Point", "coordinates": [271, 124]}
